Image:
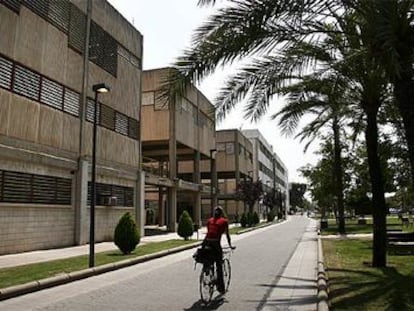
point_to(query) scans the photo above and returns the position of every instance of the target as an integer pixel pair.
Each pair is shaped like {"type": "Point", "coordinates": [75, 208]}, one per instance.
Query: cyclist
{"type": "Point", "coordinates": [216, 226]}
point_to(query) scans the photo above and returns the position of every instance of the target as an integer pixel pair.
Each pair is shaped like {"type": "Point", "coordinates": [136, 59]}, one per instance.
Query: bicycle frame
{"type": "Point", "coordinates": [208, 276]}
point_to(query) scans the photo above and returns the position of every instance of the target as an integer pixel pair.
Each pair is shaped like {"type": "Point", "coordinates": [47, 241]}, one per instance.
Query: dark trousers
{"type": "Point", "coordinates": [218, 260]}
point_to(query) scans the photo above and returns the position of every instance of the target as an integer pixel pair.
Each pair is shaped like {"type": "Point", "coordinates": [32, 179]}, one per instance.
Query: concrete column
{"type": "Point", "coordinates": [197, 195]}
{"type": "Point", "coordinates": [172, 162]}
{"type": "Point", "coordinates": [237, 171]}
{"type": "Point", "coordinates": [140, 202]}
{"type": "Point", "coordinates": [161, 211]}
{"type": "Point", "coordinates": [214, 182]}
{"type": "Point", "coordinates": [81, 201]}
{"type": "Point", "coordinates": [172, 209]}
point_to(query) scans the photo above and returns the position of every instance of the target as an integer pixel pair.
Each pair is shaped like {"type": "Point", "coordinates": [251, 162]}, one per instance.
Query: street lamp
{"type": "Point", "coordinates": [97, 88]}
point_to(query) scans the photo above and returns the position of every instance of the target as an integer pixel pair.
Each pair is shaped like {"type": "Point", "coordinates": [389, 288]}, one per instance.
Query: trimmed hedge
{"type": "Point", "coordinates": [126, 235]}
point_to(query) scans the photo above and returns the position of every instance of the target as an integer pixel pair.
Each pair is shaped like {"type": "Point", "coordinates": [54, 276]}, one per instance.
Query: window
{"type": "Point", "coordinates": [103, 49]}
{"type": "Point", "coordinates": [13, 4]}
{"type": "Point", "coordinates": [51, 94]}
{"type": "Point", "coordinates": [121, 123]}
{"type": "Point", "coordinates": [6, 69]}
{"type": "Point", "coordinates": [71, 102]}
{"type": "Point", "coordinates": [124, 195]}
{"type": "Point", "coordinates": [77, 26]}
{"type": "Point", "coordinates": [26, 83]}
{"type": "Point", "coordinates": [230, 148]}
{"type": "Point", "coordinates": [17, 187]}
{"type": "Point", "coordinates": [147, 98]}
{"type": "Point", "coordinates": [221, 146]}
{"type": "Point", "coordinates": [107, 117]}
{"type": "Point", "coordinates": [133, 128]}
{"type": "Point", "coordinates": [58, 14]}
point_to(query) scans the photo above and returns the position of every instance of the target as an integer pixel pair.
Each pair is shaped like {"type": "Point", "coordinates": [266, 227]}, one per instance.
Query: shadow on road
{"type": "Point", "coordinates": [213, 305]}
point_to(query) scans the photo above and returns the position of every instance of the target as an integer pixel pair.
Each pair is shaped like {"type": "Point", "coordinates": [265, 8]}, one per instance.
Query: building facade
{"type": "Point", "coordinates": [47, 107]}
{"type": "Point", "coordinates": [269, 168]}
{"type": "Point", "coordinates": [174, 133]}
{"type": "Point", "coordinates": [231, 162]}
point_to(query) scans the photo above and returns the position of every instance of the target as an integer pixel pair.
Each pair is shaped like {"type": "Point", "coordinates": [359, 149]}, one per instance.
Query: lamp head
{"type": "Point", "coordinates": [101, 88]}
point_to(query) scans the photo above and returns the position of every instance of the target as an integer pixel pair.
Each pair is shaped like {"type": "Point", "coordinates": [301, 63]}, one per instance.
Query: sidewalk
{"type": "Point", "coordinates": [25, 258]}
{"type": "Point", "coordinates": [296, 287]}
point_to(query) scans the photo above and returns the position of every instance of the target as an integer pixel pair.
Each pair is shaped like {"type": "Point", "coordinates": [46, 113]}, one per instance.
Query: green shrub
{"type": "Point", "coordinates": [255, 218]}
{"type": "Point", "coordinates": [126, 235]}
{"type": "Point", "coordinates": [271, 216]}
{"type": "Point", "coordinates": [185, 225]}
{"type": "Point", "coordinates": [243, 220]}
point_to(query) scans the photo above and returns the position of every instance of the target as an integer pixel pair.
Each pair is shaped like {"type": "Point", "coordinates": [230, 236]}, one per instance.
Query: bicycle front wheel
{"type": "Point", "coordinates": [226, 273]}
{"type": "Point", "coordinates": [207, 283]}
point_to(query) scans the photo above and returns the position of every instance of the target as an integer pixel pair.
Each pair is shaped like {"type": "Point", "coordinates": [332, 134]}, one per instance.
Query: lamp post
{"type": "Point", "coordinates": [213, 179]}
{"type": "Point", "coordinates": [97, 88]}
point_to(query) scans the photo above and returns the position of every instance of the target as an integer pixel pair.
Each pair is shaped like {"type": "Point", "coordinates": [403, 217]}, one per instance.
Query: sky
{"type": "Point", "coordinates": [167, 26]}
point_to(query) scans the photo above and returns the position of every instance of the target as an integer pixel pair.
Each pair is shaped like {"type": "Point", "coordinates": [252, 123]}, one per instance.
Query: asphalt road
{"type": "Point", "coordinates": [171, 283]}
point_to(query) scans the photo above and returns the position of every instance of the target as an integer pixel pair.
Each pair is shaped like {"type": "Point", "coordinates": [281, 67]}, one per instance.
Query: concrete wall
{"type": "Point", "coordinates": [25, 227]}
{"type": "Point", "coordinates": [155, 114]}
{"type": "Point", "coordinates": [38, 139]}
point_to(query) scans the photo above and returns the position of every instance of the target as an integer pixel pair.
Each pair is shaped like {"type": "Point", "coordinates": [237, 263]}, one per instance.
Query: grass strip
{"type": "Point", "coordinates": [355, 285]}
{"type": "Point", "coordinates": [27, 273]}
{"type": "Point", "coordinates": [352, 226]}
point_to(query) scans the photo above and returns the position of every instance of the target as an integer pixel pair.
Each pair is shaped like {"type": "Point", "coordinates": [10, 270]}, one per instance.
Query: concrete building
{"type": "Point", "coordinates": [173, 133]}
{"type": "Point", "coordinates": [234, 163]}
{"type": "Point", "coordinates": [269, 168]}
{"type": "Point", "coordinates": [231, 162]}
{"type": "Point", "coordinates": [46, 111]}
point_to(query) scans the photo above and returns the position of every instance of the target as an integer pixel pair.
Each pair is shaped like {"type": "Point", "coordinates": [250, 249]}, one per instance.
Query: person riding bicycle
{"type": "Point", "coordinates": [216, 226]}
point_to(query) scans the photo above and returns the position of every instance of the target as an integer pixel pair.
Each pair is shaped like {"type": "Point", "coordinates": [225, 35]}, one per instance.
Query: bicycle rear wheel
{"type": "Point", "coordinates": [226, 273]}
{"type": "Point", "coordinates": [207, 283]}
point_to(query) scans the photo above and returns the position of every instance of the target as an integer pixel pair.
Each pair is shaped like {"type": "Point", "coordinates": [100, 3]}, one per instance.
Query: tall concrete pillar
{"type": "Point", "coordinates": [161, 209]}
{"type": "Point", "coordinates": [172, 209]}
{"type": "Point", "coordinates": [81, 201]}
{"type": "Point", "coordinates": [197, 195]}
{"type": "Point", "coordinates": [172, 174]}
{"type": "Point", "coordinates": [140, 202]}
{"type": "Point", "coordinates": [82, 176]}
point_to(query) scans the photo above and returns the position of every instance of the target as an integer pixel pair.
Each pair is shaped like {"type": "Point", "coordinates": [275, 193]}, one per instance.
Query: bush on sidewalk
{"type": "Point", "coordinates": [126, 235]}
{"type": "Point", "coordinates": [185, 225]}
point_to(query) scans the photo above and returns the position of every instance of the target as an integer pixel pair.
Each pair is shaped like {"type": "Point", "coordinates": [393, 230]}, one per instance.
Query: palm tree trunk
{"type": "Point", "coordinates": [404, 93]}
{"type": "Point", "coordinates": [338, 176]}
{"type": "Point", "coordinates": [377, 184]}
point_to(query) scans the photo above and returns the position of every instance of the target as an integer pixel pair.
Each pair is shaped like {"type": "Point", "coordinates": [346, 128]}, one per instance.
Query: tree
{"type": "Point", "coordinates": [126, 235]}
{"type": "Point", "coordinates": [329, 98]}
{"type": "Point", "coordinates": [185, 225]}
{"type": "Point", "coordinates": [273, 35]}
{"type": "Point", "coordinates": [296, 195]}
{"type": "Point", "coordinates": [249, 192]}
{"type": "Point", "coordinates": [393, 45]}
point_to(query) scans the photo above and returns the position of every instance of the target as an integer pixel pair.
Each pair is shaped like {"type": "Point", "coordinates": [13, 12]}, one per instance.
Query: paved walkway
{"type": "Point", "coordinates": [25, 258]}
{"type": "Point", "coordinates": [295, 290]}
{"type": "Point", "coordinates": [297, 287]}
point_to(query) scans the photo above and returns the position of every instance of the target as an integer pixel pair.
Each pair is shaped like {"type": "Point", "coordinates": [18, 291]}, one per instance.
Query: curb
{"type": "Point", "coordinates": [322, 280]}
{"type": "Point", "coordinates": [63, 278]}
{"type": "Point", "coordinates": [258, 227]}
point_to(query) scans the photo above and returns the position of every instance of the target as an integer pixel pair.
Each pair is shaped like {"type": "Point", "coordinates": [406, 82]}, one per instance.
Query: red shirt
{"type": "Point", "coordinates": [216, 227]}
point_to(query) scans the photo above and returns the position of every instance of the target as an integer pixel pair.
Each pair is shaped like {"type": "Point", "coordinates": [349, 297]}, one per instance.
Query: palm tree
{"type": "Point", "coordinates": [392, 36]}
{"type": "Point", "coordinates": [279, 38]}
{"type": "Point", "coordinates": [326, 98]}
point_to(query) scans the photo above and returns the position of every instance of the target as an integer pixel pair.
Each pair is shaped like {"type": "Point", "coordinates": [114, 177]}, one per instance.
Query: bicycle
{"type": "Point", "coordinates": [208, 276]}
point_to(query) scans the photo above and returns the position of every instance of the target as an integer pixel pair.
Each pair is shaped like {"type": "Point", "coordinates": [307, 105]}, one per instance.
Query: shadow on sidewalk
{"type": "Point", "coordinates": [155, 231]}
